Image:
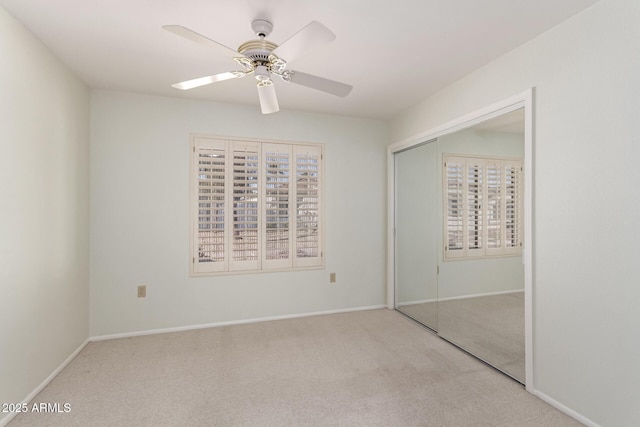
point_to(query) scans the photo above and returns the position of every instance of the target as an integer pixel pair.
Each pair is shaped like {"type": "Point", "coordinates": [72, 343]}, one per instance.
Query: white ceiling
{"type": "Point", "coordinates": [394, 53]}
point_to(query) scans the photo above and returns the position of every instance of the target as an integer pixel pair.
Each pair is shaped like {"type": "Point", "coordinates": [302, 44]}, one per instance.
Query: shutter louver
{"type": "Point", "coordinates": [308, 250]}
{"type": "Point", "coordinates": [210, 159]}
{"type": "Point", "coordinates": [513, 206]}
{"type": "Point", "coordinates": [474, 207]}
{"type": "Point", "coordinates": [495, 204]}
{"type": "Point", "coordinates": [246, 168]}
{"type": "Point", "coordinates": [454, 178]}
{"type": "Point", "coordinates": [277, 161]}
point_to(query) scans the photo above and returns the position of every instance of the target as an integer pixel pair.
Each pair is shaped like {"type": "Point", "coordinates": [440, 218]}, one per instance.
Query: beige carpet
{"type": "Point", "coordinates": [370, 368]}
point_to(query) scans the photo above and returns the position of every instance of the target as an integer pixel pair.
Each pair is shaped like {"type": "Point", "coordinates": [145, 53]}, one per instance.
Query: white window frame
{"type": "Point", "coordinates": [288, 194]}
{"type": "Point", "coordinates": [485, 205]}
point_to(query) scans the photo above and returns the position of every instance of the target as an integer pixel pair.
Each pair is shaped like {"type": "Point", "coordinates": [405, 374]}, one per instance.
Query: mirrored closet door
{"type": "Point", "coordinates": [458, 244]}
{"type": "Point", "coordinates": [416, 237]}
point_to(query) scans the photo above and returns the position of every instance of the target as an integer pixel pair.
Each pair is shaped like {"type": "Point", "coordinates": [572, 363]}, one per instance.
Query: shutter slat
{"type": "Point", "coordinates": [307, 176]}
{"type": "Point", "coordinates": [210, 161]}
{"type": "Point", "coordinates": [277, 194]}
{"type": "Point", "coordinates": [245, 214]}
{"type": "Point", "coordinates": [454, 172]}
{"type": "Point", "coordinates": [308, 207]}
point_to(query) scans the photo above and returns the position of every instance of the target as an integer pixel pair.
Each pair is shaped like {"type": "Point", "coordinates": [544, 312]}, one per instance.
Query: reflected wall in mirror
{"type": "Point", "coordinates": [416, 238]}
{"type": "Point", "coordinates": [464, 219]}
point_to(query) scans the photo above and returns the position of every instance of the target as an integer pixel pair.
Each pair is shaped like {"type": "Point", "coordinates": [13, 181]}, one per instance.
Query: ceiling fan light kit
{"type": "Point", "coordinates": [262, 58]}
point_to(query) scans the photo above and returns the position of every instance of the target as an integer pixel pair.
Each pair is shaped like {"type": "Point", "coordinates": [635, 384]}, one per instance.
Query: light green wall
{"type": "Point", "coordinates": [417, 224]}
{"type": "Point", "coordinates": [140, 208]}
{"type": "Point", "coordinates": [44, 213]}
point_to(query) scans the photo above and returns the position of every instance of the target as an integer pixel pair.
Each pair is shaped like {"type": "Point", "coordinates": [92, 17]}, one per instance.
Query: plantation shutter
{"type": "Point", "coordinates": [495, 207]}
{"type": "Point", "coordinates": [254, 206]}
{"type": "Point", "coordinates": [246, 213]}
{"type": "Point", "coordinates": [454, 207]}
{"type": "Point", "coordinates": [482, 207]}
{"type": "Point", "coordinates": [513, 206]}
{"type": "Point", "coordinates": [277, 198]}
{"type": "Point", "coordinates": [474, 213]}
{"type": "Point", "coordinates": [209, 243]}
{"type": "Point", "coordinates": [308, 249]}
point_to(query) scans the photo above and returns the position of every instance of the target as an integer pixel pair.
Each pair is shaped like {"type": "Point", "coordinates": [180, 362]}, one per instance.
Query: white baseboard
{"type": "Point", "coordinates": [229, 323]}
{"type": "Point", "coordinates": [4, 421]}
{"type": "Point", "coordinates": [488, 294]}
{"type": "Point", "coordinates": [423, 301]}
{"type": "Point", "coordinates": [559, 406]}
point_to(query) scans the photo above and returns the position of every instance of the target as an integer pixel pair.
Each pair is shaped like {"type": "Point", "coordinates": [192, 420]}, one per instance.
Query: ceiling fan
{"type": "Point", "coordinates": [265, 59]}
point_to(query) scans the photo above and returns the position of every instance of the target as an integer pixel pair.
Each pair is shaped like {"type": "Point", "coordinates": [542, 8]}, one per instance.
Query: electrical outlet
{"type": "Point", "coordinates": [142, 291]}
{"type": "Point", "coordinates": [332, 277]}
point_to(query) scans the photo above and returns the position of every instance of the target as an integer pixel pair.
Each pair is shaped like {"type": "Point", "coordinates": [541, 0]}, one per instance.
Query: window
{"type": "Point", "coordinates": [482, 207]}
{"type": "Point", "coordinates": [255, 206]}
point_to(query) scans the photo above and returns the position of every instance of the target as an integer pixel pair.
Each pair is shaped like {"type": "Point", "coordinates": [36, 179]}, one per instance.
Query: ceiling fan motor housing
{"type": "Point", "coordinates": [257, 50]}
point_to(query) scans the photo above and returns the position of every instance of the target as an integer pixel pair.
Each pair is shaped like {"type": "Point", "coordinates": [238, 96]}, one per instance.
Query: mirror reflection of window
{"type": "Point", "coordinates": [459, 239]}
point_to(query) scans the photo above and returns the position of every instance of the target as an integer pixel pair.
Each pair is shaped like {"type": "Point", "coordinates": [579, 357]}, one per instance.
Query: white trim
{"type": "Point", "coordinates": [230, 323]}
{"type": "Point", "coordinates": [527, 255]}
{"type": "Point", "coordinates": [570, 412]}
{"type": "Point", "coordinates": [523, 99]}
{"type": "Point", "coordinates": [391, 230]}
{"type": "Point", "coordinates": [468, 120]}
{"type": "Point", "coordinates": [4, 421]}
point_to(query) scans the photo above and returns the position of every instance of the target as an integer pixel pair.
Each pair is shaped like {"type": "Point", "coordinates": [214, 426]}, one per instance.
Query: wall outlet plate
{"type": "Point", "coordinates": [142, 291]}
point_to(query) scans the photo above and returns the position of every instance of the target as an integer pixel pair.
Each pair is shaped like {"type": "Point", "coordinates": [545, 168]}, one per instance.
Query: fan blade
{"type": "Point", "coordinates": [190, 84]}
{"type": "Point", "coordinates": [268, 98]}
{"type": "Point", "coordinates": [199, 38]}
{"type": "Point", "coordinates": [319, 83]}
{"type": "Point", "coordinates": [304, 41]}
